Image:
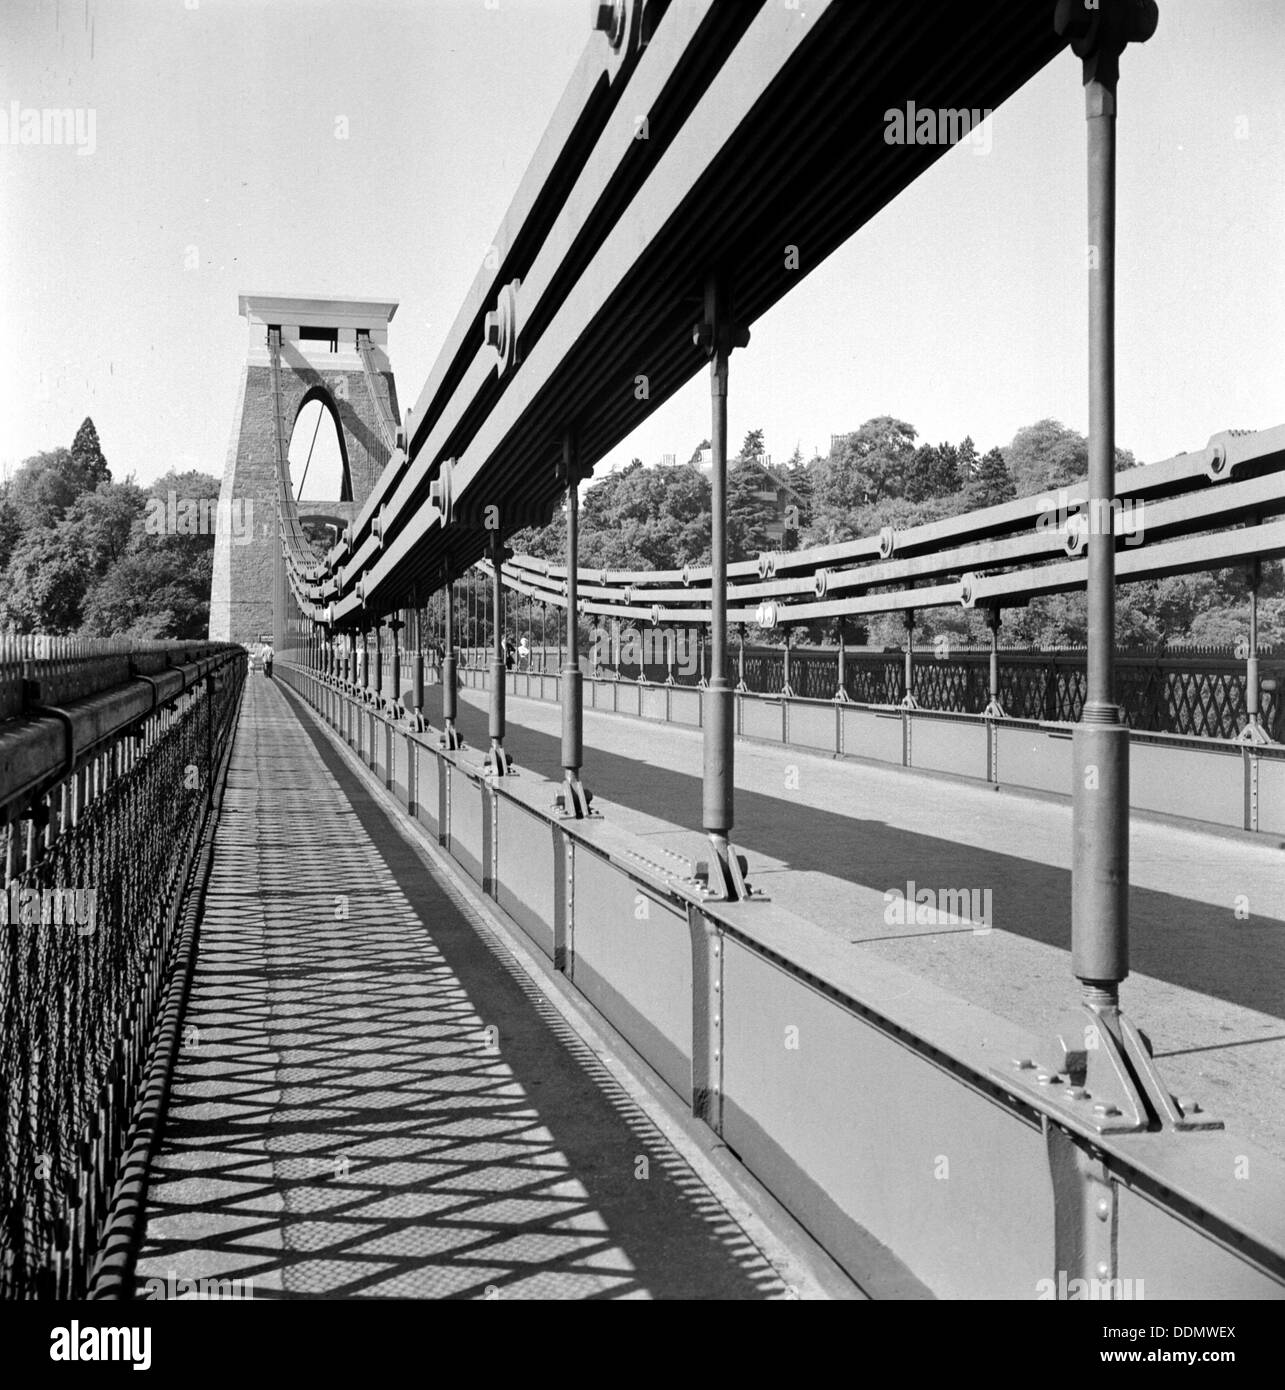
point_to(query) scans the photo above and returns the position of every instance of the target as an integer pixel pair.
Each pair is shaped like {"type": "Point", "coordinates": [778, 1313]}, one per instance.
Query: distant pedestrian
{"type": "Point", "coordinates": [524, 656]}
{"type": "Point", "coordinates": [508, 654]}
{"type": "Point", "coordinates": [267, 663]}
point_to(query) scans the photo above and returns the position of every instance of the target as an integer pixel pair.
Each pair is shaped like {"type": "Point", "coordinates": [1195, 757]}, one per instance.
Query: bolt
{"type": "Point", "coordinates": [1102, 1109]}
{"type": "Point", "coordinates": [1188, 1106]}
{"type": "Point", "coordinates": [491, 328]}
{"type": "Point", "coordinates": [1103, 1208]}
{"type": "Point", "coordinates": [1104, 1270]}
{"type": "Point", "coordinates": [1023, 1063]}
{"type": "Point", "coordinates": [1078, 1093]}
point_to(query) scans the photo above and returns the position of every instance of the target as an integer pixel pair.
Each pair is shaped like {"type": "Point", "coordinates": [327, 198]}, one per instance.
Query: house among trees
{"type": "Point", "coordinates": [780, 506]}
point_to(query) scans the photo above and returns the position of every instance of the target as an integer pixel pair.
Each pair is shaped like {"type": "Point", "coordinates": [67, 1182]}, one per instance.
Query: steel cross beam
{"type": "Point", "coordinates": [755, 98]}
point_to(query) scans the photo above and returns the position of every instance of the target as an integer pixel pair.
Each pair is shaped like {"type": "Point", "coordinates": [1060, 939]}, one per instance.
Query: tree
{"type": "Point", "coordinates": [1047, 455]}
{"type": "Point", "coordinates": [155, 591]}
{"type": "Point", "coordinates": [160, 585]}
{"type": "Point", "coordinates": [646, 518]}
{"type": "Point", "coordinates": [752, 448]}
{"type": "Point", "coordinates": [801, 477]}
{"type": "Point", "coordinates": [44, 584]}
{"type": "Point", "coordinates": [10, 527]}
{"type": "Point", "coordinates": [87, 455]}
{"type": "Point", "coordinates": [866, 467]}
{"type": "Point", "coordinates": [932, 471]}
{"type": "Point", "coordinates": [751, 509]}
{"type": "Point", "coordinates": [948, 476]}
{"type": "Point", "coordinates": [100, 524]}
{"type": "Point", "coordinates": [44, 487]}
{"type": "Point", "coordinates": [966, 460]}
{"type": "Point", "coordinates": [992, 483]}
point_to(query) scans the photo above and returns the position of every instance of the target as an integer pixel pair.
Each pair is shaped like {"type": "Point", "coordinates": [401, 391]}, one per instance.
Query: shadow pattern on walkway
{"type": "Point", "coordinates": [373, 1098]}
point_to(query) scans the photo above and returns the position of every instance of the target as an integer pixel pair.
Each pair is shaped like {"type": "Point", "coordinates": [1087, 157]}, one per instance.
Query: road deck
{"type": "Point", "coordinates": [830, 837]}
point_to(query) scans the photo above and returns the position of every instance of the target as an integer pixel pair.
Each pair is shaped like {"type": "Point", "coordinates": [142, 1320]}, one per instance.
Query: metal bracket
{"type": "Point", "coordinates": [1101, 1083]}
{"type": "Point", "coordinates": [574, 801]}
{"type": "Point", "coordinates": [726, 881]}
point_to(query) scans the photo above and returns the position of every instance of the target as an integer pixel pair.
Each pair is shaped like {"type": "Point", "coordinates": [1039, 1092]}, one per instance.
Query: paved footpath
{"type": "Point", "coordinates": [374, 1098]}
{"type": "Point", "coordinates": [829, 837]}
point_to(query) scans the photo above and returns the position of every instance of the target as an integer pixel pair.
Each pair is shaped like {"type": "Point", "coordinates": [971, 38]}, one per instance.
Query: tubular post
{"type": "Point", "coordinates": [417, 670]}
{"type": "Point", "coordinates": [575, 798]}
{"type": "Point", "coordinates": [908, 700]}
{"type": "Point", "coordinates": [450, 738]}
{"type": "Point", "coordinates": [498, 758]}
{"type": "Point", "coordinates": [377, 684]}
{"type": "Point", "coordinates": [717, 335]}
{"type": "Point", "coordinates": [1102, 1073]}
{"type": "Point", "coordinates": [994, 710]}
{"type": "Point", "coordinates": [1253, 732]}
{"type": "Point", "coordinates": [395, 625]}
{"type": "Point", "coordinates": [841, 694]}
{"type": "Point", "coordinates": [1100, 743]}
{"type": "Point", "coordinates": [740, 659]}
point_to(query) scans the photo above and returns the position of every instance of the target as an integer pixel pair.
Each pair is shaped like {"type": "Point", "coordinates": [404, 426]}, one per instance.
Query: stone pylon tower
{"type": "Point", "coordinates": [320, 360]}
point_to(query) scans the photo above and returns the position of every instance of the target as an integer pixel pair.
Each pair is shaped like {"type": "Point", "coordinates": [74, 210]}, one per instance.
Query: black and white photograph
{"type": "Point", "coordinates": [642, 657]}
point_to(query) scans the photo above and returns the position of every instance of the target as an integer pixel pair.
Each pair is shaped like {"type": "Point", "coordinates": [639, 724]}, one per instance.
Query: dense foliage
{"type": "Point", "coordinates": [77, 554]}
{"type": "Point", "coordinates": [81, 553]}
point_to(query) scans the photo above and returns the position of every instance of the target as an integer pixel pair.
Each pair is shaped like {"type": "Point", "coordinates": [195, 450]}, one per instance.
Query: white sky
{"type": "Point", "coordinates": [961, 308]}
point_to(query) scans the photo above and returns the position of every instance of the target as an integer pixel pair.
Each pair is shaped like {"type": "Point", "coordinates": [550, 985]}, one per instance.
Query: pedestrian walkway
{"type": "Point", "coordinates": [374, 1098]}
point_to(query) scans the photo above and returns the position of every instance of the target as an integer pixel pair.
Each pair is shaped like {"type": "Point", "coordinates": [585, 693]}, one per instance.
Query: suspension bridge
{"type": "Point", "coordinates": [412, 974]}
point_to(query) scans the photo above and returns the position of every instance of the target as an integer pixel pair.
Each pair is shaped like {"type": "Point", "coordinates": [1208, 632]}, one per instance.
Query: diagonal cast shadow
{"type": "Point", "coordinates": [1171, 938]}
{"type": "Point", "coordinates": [367, 1102]}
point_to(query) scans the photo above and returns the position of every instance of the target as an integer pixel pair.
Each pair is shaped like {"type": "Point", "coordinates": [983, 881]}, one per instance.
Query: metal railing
{"type": "Point", "coordinates": [1201, 693]}
{"type": "Point", "coordinates": [97, 836]}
